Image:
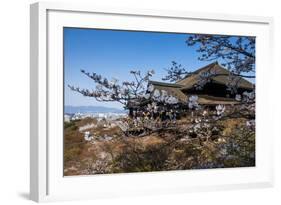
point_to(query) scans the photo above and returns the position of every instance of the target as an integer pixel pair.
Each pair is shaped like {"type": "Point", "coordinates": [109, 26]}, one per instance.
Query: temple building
{"type": "Point", "coordinates": [214, 91]}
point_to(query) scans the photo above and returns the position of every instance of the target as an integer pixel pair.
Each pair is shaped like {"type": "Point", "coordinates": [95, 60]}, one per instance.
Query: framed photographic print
{"type": "Point", "coordinates": [127, 102]}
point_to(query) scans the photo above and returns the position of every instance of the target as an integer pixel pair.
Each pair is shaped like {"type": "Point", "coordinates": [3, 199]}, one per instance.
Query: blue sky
{"type": "Point", "coordinates": [114, 53]}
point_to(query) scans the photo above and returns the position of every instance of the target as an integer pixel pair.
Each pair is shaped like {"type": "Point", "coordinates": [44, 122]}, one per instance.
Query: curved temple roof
{"type": "Point", "coordinates": [220, 77]}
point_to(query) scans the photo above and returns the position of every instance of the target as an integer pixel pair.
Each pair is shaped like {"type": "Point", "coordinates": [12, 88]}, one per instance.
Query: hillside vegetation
{"type": "Point", "coordinates": [182, 144]}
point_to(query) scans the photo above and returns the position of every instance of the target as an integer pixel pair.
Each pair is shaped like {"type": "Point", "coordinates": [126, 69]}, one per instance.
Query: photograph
{"type": "Point", "coordinates": [147, 101]}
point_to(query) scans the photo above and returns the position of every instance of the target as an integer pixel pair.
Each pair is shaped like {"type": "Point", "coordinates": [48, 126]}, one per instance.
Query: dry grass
{"type": "Point", "coordinates": [164, 150]}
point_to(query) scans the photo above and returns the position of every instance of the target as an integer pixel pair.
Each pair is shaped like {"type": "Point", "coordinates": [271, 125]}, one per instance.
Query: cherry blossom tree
{"type": "Point", "coordinates": [114, 91]}
{"type": "Point", "coordinates": [134, 95]}
{"type": "Point", "coordinates": [236, 53]}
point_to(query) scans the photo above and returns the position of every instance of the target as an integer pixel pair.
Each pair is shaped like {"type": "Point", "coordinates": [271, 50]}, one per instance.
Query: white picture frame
{"type": "Point", "coordinates": [46, 177]}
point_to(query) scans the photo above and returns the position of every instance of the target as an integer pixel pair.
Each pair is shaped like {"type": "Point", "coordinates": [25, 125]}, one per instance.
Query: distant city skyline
{"type": "Point", "coordinates": [113, 54]}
